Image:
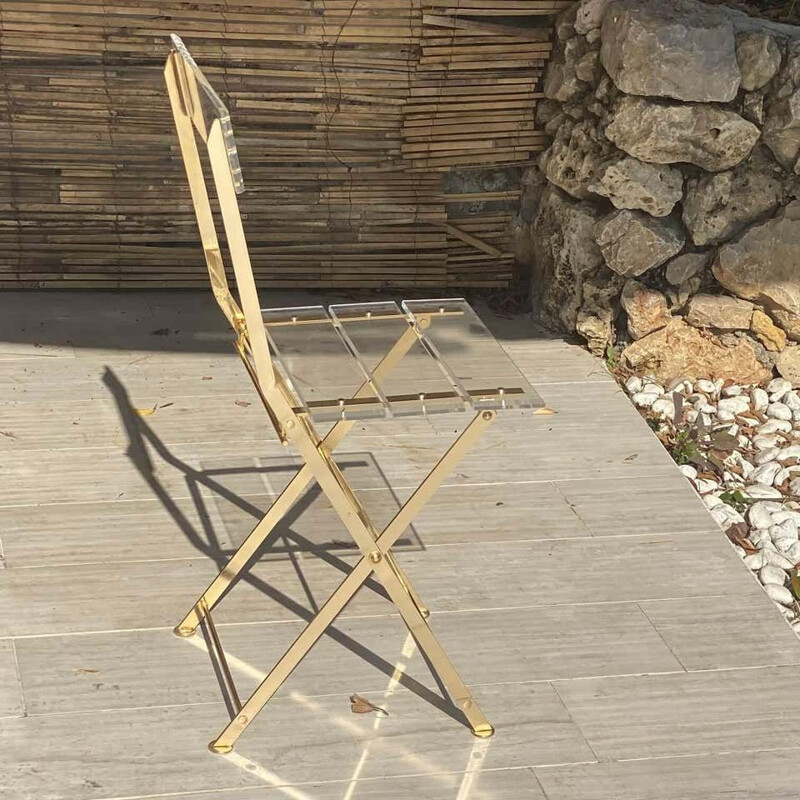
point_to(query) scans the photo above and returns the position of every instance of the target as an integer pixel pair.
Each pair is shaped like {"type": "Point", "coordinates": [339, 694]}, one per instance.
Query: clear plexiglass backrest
{"type": "Point", "coordinates": [205, 106]}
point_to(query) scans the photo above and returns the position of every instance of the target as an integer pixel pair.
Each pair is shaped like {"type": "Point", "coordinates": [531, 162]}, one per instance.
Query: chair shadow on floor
{"type": "Point", "coordinates": [283, 541]}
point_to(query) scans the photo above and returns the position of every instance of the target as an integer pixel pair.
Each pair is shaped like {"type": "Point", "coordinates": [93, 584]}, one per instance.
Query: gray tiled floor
{"type": "Point", "coordinates": [610, 632]}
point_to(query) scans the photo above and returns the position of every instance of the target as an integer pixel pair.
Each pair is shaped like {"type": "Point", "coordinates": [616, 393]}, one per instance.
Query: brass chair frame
{"type": "Point", "coordinates": [188, 91]}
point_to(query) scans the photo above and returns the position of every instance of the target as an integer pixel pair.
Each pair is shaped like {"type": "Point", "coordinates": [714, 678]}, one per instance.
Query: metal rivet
{"type": "Point", "coordinates": [466, 704]}
{"type": "Point", "coordinates": [488, 414]}
{"type": "Point", "coordinates": [289, 424]}
{"type": "Point", "coordinates": [242, 719]}
{"type": "Point", "coordinates": [375, 556]}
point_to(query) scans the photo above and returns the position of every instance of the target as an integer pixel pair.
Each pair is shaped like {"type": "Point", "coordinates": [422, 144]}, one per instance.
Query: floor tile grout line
{"type": "Point", "coordinates": [660, 636]}
{"type": "Point", "coordinates": [18, 672]}
{"type": "Point", "coordinates": [334, 782]}
{"type": "Point", "coordinates": [578, 728]}
{"type": "Point", "coordinates": [665, 470]}
{"type": "Point", "coordinates": [587, 537]}
{"type": "Point", "coordinates": [442, 613]}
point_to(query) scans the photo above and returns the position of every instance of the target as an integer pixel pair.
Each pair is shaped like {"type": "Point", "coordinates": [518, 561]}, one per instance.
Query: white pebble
{"type": "Point", "coordinates": [736, 405]}
{"type": "Point", "coordinates": [705, 386]}
{"type": "Point", "coordinates": [688, 470]}
{"type": "Point", "coordinates": [633, 385]}
{"type": "Point", "coordinates": [763, 442]}
{"type": "Point", "coordinates": [651, 387]}
{"type": "Point", "coordinates": [784, 528]}
{"type": "Point", "coordinates": [644, 400]}
{"type": "Point", "coordinates": [665, 407]}
{"type": "Point", "coordinates": [732, 391]}
{"type": "Point", "coordinates": [757, 536]}
{"type": "Point", "coordinates": [743, 441]}
{"type": "Point", "coordinates": [755, 561]}
{"type": "Point", "coordinates": [740, 551]}
{"type": "Point", "coordinates": [773, 426]}
{"type": "Point", "coordinates": [759, 398]}
{"type": "Point", "coordinates": [796, 416]}
{"type": "Point", "coordinates": [781, 476]}
{"type": "Point", "coordinates": [712, 501]}
{"type": "Point", "coordinates": [759, 491]}
{"type": "Point", "coordinates": [792, 451]}
{"type": "Point", "coordinates": [759, 516]}
{"type": "Point", "coordinates": [771, 574]}
{"type": "Point", "coordinates": [794, 486]}
{"type": "Point", "coordinates": [779, 411]}
{"type": "Point", "coordinates": [775, 558]}
{"type": "Point", "coordinates": [766, 473]}
{"type": "Point", "coordinates": [704, 485]}
{"type": "Point", "coordinates": [725, 416]}
{"type": "Point", "coordinates": [793, 553]}
{"type": "Point", "coordinates": [777, 388]}
{"type": "Point", "coordinates": [781, 516]}
{"type": "Point", "coordinates": [690, 415]}
{"type": "Point", "coordinates": [791, 400]}
{"type": "Point", "coordinates": [765, 456]}
{"type": "Point", "coordinates": [779, 594]}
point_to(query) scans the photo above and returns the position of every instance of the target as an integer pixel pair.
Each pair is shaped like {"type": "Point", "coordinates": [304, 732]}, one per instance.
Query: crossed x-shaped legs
{"type": "Point", "coordinates": [376, 556]}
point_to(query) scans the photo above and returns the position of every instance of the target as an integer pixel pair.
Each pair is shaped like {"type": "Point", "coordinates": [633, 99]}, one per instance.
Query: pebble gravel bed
{"type": "Point", "coordinates": [739, 446]}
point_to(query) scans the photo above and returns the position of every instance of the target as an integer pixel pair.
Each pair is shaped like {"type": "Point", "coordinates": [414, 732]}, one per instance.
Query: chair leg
{"type": "Point", "coordinates": [376, 557]}
{"type": "Point", "coordinates": [216, 589]}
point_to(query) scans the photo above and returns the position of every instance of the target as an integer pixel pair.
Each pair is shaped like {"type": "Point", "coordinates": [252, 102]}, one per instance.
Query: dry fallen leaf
{"type": "Point", "coordinates": [85, 671]}
{"type": "Point", "coordinates": [166, 405]}
{"type": "Point", "coordinates": [8, 434]}
{"type": "Point", "coordinates": [360, 705]}
{"type": "Point", "coordinates": [206, 378]}
{"type": "Point", "coordinates": [146, 412]}
{"type": "Point", "coordinates": [631, 457]}
{"type": "Point", "coordinates": [242, 403]}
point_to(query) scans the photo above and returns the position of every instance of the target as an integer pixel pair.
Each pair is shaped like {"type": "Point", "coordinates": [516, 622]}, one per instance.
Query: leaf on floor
{"type": "Point", "coordinates": [242, 403]}
{"type": "Point", "coordinates": [85, 671]}
{"type": "Point", "coordinates": [8, 434]}
{"type": "Point", "coordinates": [146, 412]}
{"type": "Point", "coordinates": [360, 705]}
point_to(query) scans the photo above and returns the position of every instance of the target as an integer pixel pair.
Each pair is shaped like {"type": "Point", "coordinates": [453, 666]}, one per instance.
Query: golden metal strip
{"type": "Point", "coordinates": [240, 257]}
{"type": "Point", "coordinates": [212, 595]}
{"type": "Point", "coordinates": [216, 645]}
{"type": "Point", "coordinates": [373, 559]}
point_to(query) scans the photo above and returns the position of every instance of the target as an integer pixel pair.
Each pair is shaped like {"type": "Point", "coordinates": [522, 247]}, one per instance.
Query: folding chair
{"type": "Point", "coordinates": [347, 362]}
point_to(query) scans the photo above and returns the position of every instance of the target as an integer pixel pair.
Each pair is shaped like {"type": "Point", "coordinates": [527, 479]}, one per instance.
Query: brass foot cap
{"type": "Point", "coordinates": [483, 731]}
{"type": "Point", "coordinates": [425, 612]}
{"type": "Point", "coordinates": [220, 749]}
{"type": "Point", "coordinates": [184, 632]}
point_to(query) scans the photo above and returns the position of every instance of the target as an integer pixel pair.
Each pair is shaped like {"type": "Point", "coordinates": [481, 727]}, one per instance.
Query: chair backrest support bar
{"type": "Point", "coordinates": [245, 318]}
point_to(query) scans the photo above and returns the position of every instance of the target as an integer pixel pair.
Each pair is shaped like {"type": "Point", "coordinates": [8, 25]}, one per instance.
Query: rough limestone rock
{"type": "Point", "coordinates": [561, 81]}
{"type": "Point", "coordinates": [588, 68]}
{"type": "Point", "coordinates": [589, 15]}
{"type": "Point", "coordinates": [782, 121]}
{"type": "Point", "coordinates": [759, 59]}
{"type": "Point", "coordinates": [564, 255]}
{"type": "Point", "coordinates": [595, 321]}
{"type": "Point", "coordinates": [684, 267]}
{"type": "Point", "coordinates": [719, 312]}
{"type": "Point", "coordinates": [767, 332]}
{"type": "Point", "coordinates": [718, 206]}
{"type": "Point", "coordinates": [707, 136]}
{"type": "Point", "coordinates": [680, 49]}
{"type": "Point", "coordinates": [681, 351]}
{"type": "Point", "coordinates": [633, 242]}
{"type": "Point", "coordinates": [646, 309]}
{"type": "Point", "coordinates": [753, 107]}
{"type": "Point", "coordinates": [572, 159]}
{"type": "Point", "coordinates": [787, 363]}
{"type": "Point", "coordinates": [764, 263]}
{"type": "Point", "coordinates": [630, 183]}
{"type": "Point", "coordinates": [790, 323]}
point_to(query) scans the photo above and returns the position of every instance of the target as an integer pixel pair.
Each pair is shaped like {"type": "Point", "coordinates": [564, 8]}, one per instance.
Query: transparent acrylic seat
{"type": "Point", "coordinates": [453, 363]}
